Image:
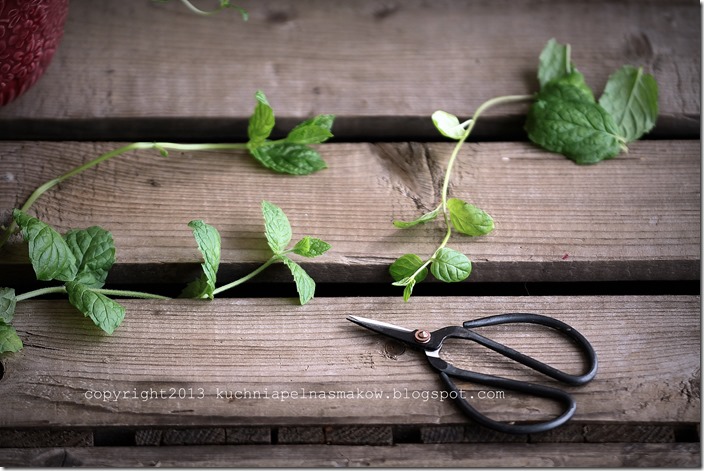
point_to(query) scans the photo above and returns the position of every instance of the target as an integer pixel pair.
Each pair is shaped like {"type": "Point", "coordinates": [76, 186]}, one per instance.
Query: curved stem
{"type": "Point", "coordinates": [40, 292]}
{"type": "Point", "coordinates": [128, 294]}
{"type": "Point", "coordinates": [247, 277]}
{"type": "Point", "coordinates": [198, 11]}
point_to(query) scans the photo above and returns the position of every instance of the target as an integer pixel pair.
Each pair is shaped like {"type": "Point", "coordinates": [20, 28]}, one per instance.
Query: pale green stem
{"type": "Point", "coordinates": [470, 123]}
{"type": "Point", "coordinates": [106, 292]}
{"type": "Point", "coordinates": [247, 277]}
{"type": "Point", "coordinates": [162, 146]}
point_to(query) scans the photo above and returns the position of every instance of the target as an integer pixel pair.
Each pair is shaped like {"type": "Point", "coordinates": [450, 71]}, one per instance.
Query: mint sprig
{"type": "Point", "coordinates": [564, 118]}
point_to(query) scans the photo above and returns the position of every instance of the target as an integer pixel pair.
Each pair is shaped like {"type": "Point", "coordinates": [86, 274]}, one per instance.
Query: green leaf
{"type": "Point", "coordinates": [312, 131]}
{"type": "Point", "coordinates": [103, 311]}
{"type": "Point", "coordinates": [631, 97]}
{"type": "Point", "coordinates": [421, 220]}
{"type": "Point", "coordinates": [468, 219]}
{"type": "Point", "coordinates": [405, 266]}
{"type": "Point", "coordinates": [448, 125]}
{"type": "Point", "coordinates": [51, 257]}
{"type": "Point", "coordinates": [7, 304]}
{"type": "Point", "coordinates": [276, 227]}
{"type": "Point", "coordinates": [304, 283]}
{"type": "Point", "coordinates": [450, 266]}
{"type": "Point", "coordinates": [261, 122]}
{"type": "Point", "coordinates": [293, 159]}
{"type": "Point", "coordinates": [563, 120]}
{"type": "Point", "coordinates": [9, 340]}
{"type": "Point", "coordinates": [311, 247]}
{"type": "Point", "coordinates": [408, 290]}
{"type": "Point", "coordinates": [555, 62]}
{"type": "Point", "coordinates": [94, 250]}
{"type": "Point", "coordinates": [208, 240]}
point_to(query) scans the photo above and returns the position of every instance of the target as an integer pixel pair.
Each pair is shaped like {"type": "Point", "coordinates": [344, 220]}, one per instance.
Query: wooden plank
{"type": "Point", "coordinates": [635, 217]}
{"type": "Point", "coordinates": [264, 362]}
{"type": "Point", "coordinates": [411, 456]}
{"type": "Point", "coordinates": [119, 72]}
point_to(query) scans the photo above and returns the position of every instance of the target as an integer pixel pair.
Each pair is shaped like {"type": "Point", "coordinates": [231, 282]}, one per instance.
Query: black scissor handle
{"type": "Point", "coordinates": [527, 318]}
{"type": "Point", "coordinates": [448, 371]}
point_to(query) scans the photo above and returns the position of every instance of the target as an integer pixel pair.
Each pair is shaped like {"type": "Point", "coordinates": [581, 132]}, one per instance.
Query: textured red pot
{"type": "Point", "coordinates": [30, 31]}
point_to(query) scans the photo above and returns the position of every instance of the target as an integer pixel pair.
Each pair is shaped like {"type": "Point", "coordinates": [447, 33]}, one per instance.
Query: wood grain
{"type": "Point", "coordinates": [648, 348]}
{"type": "Point", "coordinates": [635, 217]}
{"type": "Point", "coordinates": [139, 70]}
{"type": "Point", "coordinates": [494, 455]}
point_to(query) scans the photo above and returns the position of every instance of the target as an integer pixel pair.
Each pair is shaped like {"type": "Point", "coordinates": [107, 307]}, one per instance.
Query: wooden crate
{"type": "Point", "coordinates": [613, 249]}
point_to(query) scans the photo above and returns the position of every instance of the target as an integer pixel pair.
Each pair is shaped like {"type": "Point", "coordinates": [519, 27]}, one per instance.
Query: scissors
{"type": "Point", "coordinates": [431, 344]}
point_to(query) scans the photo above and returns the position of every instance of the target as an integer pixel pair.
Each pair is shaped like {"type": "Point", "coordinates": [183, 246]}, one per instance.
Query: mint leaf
{"type": "Point", "coordinates": [304, 283]}
{"type": "Point", "coordinates": [408, 290]}
{"type": "Point", "coordinates": [312, 131]}
{"type": "Point", "coordinates": [563, 120]}
{"type": "Point", "coordinates": [468, 219]}
{"type": "Point", "coordinates": [208, 240]}
{"type": "Point", "coordinates": [51, 257]}
{"type": "Point", "coordinates": [405, 266]}
{"type": "Point", "coordinates": [555, 62]}
{"type": "Point", "coordinates": [294, 159]}
{"type": "Point", "coordinates": [103, 311]}
{"type": "Point", "coordinates": [448, 125]}
{"type": "Point", "coordinates": [277, 229]}
{"type": "Point", "coordinates": [421, 220]}
{"type": "Point", "coordinates": [94, 250]}
{"type": "Point", "coordinates": [7, 304]}
{"type": "Point", "coordinates": [9, 340]}
{"type": "Point", "coordinates": [261, 123]}
{"type": "Point", "coordinates": [311, 247]}
{"type": "Point", "coordinates": [631, 97]}
{"type": "Point", "coordinates": [450, 266]}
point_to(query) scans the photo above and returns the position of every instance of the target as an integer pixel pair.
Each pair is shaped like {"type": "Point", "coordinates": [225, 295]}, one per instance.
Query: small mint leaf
{"type": "Point", "coordinates": [311, 247]}
{"type": "Point", "coordinates": [9, 340]}
{"type": "Point", "coordinates": [421, 220]}
{"type": "Point", "coordinates": [405, 266]}
{"type": "Point", "coordinates": [312, 131]}
{"type": "Point", "coordinates": [7, 304]}
{"type": "Point", "coordinates": [305, 285]}
{"type": "Point", "coordinates": [277, 229]}
{"type": "Point", "coordinates": [261, 123]}
{"type": "Point", "coordinates": [208, 240]}
{"type": "Point", "coordinates": [448, 125]}
{"type": "Point", "coordinates": [408, 290]}
{"type": "Point", "coordinates": [468, 219]}
{"type": "Point", "coordinates": [450, 266]}
{"type": "Point", "coordinates": [94, 250]}
{"type": "Point", "coordinates": [51, 257]}
{"type": "Point", "coordinates": [103, 311]}
{"type": "Point", "coordinates": [555, 62]}
{"type": "Point", "coordinates": [293, 159]}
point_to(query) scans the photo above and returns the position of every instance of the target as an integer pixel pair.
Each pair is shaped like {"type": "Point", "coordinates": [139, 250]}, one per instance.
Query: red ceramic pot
{"type": "Point", "coordinates": [30, 31]}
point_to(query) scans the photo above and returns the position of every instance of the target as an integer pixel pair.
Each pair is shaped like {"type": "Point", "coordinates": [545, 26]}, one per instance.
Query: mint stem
{"type": "Point", "coordinates": [247, 277]}
{"type": "Point", "coordinates": [161, 146]}
{"type": "Point", "coordinates": [40, 292]}
{"type": "Point", "coordinates": [106, 292]}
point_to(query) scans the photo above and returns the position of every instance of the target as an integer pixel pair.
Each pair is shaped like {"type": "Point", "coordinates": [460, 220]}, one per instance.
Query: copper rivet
{"type": "Point", "coordinates": [422, 336]}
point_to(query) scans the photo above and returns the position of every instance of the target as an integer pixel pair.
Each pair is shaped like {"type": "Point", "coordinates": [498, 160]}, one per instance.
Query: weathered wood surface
{"type": "Point", "coordinates": [648, 348]}
{"type": "Point", "coordinates": [607, 455]}
{"type": "Point", "coordinates": [635, 217]}
{"type": "Point", "coordinates": [127, 69]}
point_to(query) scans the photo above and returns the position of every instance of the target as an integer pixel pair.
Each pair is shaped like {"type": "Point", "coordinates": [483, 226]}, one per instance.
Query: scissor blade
{"type": "Point", "coordinates": [399, 333]}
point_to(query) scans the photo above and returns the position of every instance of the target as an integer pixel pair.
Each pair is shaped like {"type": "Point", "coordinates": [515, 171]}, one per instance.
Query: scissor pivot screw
{"type": "Point", "coordinates": [422, 336]}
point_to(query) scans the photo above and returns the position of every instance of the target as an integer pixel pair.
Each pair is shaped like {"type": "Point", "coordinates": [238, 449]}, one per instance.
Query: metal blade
{"type": "Point", "coordinates": [395, 332]}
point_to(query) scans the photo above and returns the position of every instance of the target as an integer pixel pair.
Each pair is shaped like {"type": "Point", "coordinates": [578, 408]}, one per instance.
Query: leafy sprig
{"type": "Point", "coordinates": [564, 118]}
{"type": "Point", "coordinates": [291, 155]}
{"type": "Point", "coordinates": [81, 259]}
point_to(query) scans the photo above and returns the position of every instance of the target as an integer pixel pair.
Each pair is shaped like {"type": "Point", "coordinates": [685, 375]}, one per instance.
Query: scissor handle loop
{"type": "Point", "coordinates": [528, 318]}
{"type": "Point", "coordinates": [448, 371]}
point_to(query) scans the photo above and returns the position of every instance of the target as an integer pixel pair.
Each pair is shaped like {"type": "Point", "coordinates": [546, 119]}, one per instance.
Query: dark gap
{"type": "Point", "coordinates": [406, 434]}
{"type": "Point", "coordinates": [114, 437]}
{"type": "Point", "coordinates": [2, 370]}
{"type": "Point", "coordinates": [274, 435]}
{"type": "Point", "coordinates": [346, 129]}
{"type": "Point", "coordinates": [686, 434]}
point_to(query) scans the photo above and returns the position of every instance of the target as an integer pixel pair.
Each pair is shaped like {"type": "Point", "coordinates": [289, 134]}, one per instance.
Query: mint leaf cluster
{"type": "Point", "coordinates": [291, 155]}
{"type": "Point", "coordinates": [564, 117]}
{"type": "Point", "coordinates": [81, 259]}
{"type": "Point", "coordinates": [567, 119]}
